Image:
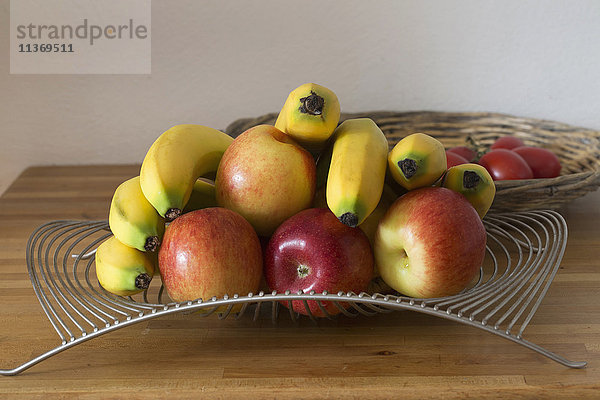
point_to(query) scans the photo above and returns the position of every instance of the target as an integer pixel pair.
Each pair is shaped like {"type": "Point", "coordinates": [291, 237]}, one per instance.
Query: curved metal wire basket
{"type": "Point", "coordinates": [524, 251]}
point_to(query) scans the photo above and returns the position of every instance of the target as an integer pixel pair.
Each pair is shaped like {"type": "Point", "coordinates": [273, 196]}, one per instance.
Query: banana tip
{"type": "Point", "coordinates": [470, 179]}
{"type": "Point", "coordinates": [142, 281]}
{"type": "Point", "coordinates": [349, 219]}
{"type": "Point", "coordinates": [152, 243]}
{"type": "Point", "coordinates": [172, 213]}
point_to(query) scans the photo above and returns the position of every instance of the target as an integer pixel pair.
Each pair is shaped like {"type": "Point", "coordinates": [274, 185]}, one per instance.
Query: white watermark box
{"type": "Point", "coordinates": [80, 36]}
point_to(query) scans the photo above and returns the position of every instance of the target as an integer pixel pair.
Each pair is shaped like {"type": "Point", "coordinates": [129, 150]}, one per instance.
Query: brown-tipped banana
{"type": "Point", "coordinates": [123, 270]}
{"type": "Point", "coordinates": [133, 220]}
{"type": "Point", "coordinates": [357, 170]}
{"type": "Point", "coordinates": [309, 115]}
{"type": "Point", "coordinates": [175, 161]}
{"type": "Point", "coordinates": [475, 183]}
{"type": "Point", "coordinates": [417, 160]}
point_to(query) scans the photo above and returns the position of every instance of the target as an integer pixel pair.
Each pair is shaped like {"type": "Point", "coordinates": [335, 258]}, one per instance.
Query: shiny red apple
{"type": "Point", "coordinates": [313, 250]}
{"type": "Point", "coordinates": [430, 243]}
{"type": "Point", "coordinates": [210, 252]}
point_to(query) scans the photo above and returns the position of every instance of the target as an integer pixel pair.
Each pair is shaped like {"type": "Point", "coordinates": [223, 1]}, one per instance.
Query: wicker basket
{"type": "Point", "coordinates": [577, 148]}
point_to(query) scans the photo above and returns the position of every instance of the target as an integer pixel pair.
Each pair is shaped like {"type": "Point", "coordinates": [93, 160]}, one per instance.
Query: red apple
{"type": "Point", "coordinates": [430, 243]}
{"type": "Point", "coordinates": [265, 177]}
{"type": "Point", "coordinates": [210, 252]}
{"type": "Point", "coordinates": [313, 250]}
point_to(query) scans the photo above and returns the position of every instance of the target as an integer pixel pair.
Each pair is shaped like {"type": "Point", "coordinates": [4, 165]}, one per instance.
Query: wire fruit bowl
{"type": "Point", "coordinates": [524, 251]}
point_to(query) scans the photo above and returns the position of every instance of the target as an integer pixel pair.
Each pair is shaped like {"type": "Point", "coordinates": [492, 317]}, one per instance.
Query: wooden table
{"type": "Point", "coordinates": [398, 355]}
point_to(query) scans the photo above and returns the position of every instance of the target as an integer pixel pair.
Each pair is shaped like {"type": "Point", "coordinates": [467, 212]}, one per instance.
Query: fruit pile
{"type": "Point", "coordinates": [306, 205]}
{"type": "Point", "coordinates": [508, 159]}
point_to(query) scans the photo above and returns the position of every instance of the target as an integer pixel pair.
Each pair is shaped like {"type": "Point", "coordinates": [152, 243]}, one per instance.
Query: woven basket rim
{"type": "Point", "coordinates": [354, 114]}
{"type": "Point", "coordinates": [483, 126]}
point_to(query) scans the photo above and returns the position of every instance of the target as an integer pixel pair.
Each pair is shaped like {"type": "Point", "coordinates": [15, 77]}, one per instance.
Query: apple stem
{"type": "Point", "coordinates": [303, 271]}
{"type": "Point", "coordinates": [408, 167]}
{"type": "Point", "coordinates": [312, 104]}
{"type": "Point", "coordinates": [152, 243]}
{"type": "Point", "coordinates": [470, 179]}
{"type": "Point", "coordinates": [142, 281]}
{"type": "Point", "coordinates": [349, 219]}
{"type": "Point", "coordinates": [172, 213]}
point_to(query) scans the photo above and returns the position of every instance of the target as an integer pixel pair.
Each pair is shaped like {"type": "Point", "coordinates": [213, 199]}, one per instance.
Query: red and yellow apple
{"type": "Point", "coordinates": [430, 243]}
{"type": "Point", "coordinates": [265, 177]}
{"type": "Point", "coordinates": [210, 252]}
{"type": "Point", "coordinates": [313, 250]}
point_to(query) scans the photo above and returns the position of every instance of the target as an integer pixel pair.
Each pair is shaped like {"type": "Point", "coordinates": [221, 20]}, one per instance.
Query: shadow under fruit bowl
{"type": "Point", "coordinates": [578, 149]}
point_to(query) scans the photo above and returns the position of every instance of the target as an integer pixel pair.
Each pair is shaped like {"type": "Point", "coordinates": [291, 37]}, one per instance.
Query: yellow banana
{"type": "Point", "coordinates": [203, 196]}
{"type": "Point", "coordinates": [309, 115]}
{"type": "Point", "coordinates": [474, 182]}
{"type": "Point", "coordinates": [132, 218]}
{"type": "Point", "coordinates": [357, 170]}
{"type": "Point", "coordinates": [417, 160]}
{"type": "Point", "coordinates": [175, 161]}
{"type": "Point", "coordinates": [123, 270]}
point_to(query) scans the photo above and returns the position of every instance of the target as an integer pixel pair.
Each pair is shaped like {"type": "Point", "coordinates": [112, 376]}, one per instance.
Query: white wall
{"type": "Point", "coordinates": [215, 61]}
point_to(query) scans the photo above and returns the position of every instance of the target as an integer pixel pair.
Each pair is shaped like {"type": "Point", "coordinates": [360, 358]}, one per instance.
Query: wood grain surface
{"type": "Point", "coordinates": [399, 355]}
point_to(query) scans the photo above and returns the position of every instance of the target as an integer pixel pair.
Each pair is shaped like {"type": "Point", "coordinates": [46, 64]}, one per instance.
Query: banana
{"type": "Point", "coordinates": [203, 196]}
{"type": "Point", "coordinates": [417, 160]}
{"type": "Point", "coordinates": [475, 183]}
{"type": "Point", "coordinates": [175, 161]}
{"type": "Point", "coordinates": [357, 170]}
{"type": "Point", "coordinates": [132, 218]}
{"type": "Point", "coordinates": [309, 115]}
{"type": "Point", "coordinates": [123, 270]}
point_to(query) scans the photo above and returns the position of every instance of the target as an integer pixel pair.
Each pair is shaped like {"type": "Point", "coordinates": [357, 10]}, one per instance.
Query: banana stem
{"type": "Point", "coordinates": [312, 104]}
{"type": "Point", "coordinates": [470, 179]}
{"type": "Point", "coordinates": [408, 167]}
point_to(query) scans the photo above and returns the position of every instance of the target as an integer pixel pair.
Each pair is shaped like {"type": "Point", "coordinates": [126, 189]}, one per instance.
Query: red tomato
{"type": "Point", "coordinates": [543, 162]}
{"type": "Point", "coordinates": [504, 164]}
{"type": "Point", "coordinates": [453, 159]}
{"type": "Point", "coordinates": [507, 142]}
{"type": "Point", "coordinates": [466, 152]}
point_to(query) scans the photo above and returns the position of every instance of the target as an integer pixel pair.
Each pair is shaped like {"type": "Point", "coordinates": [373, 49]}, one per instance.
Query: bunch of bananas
{"type": "Point", "coordinates": [168, 186]}
{"type": "Point", "coordinates": [358, 178]}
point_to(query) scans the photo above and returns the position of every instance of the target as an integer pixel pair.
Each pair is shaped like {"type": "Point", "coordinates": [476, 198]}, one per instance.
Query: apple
{"type": "Point", "coordinates": [266, 177]}
{"type": "Point", "coordinates": [430, 243]}
{"type": "Point", "coordinates": [210, 252]}
{"type": "Point", "coordinates": [313, 250]}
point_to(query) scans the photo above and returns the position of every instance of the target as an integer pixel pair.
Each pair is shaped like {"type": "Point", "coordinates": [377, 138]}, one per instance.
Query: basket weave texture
{"type": "Point", "coordinates": [578, 149]}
